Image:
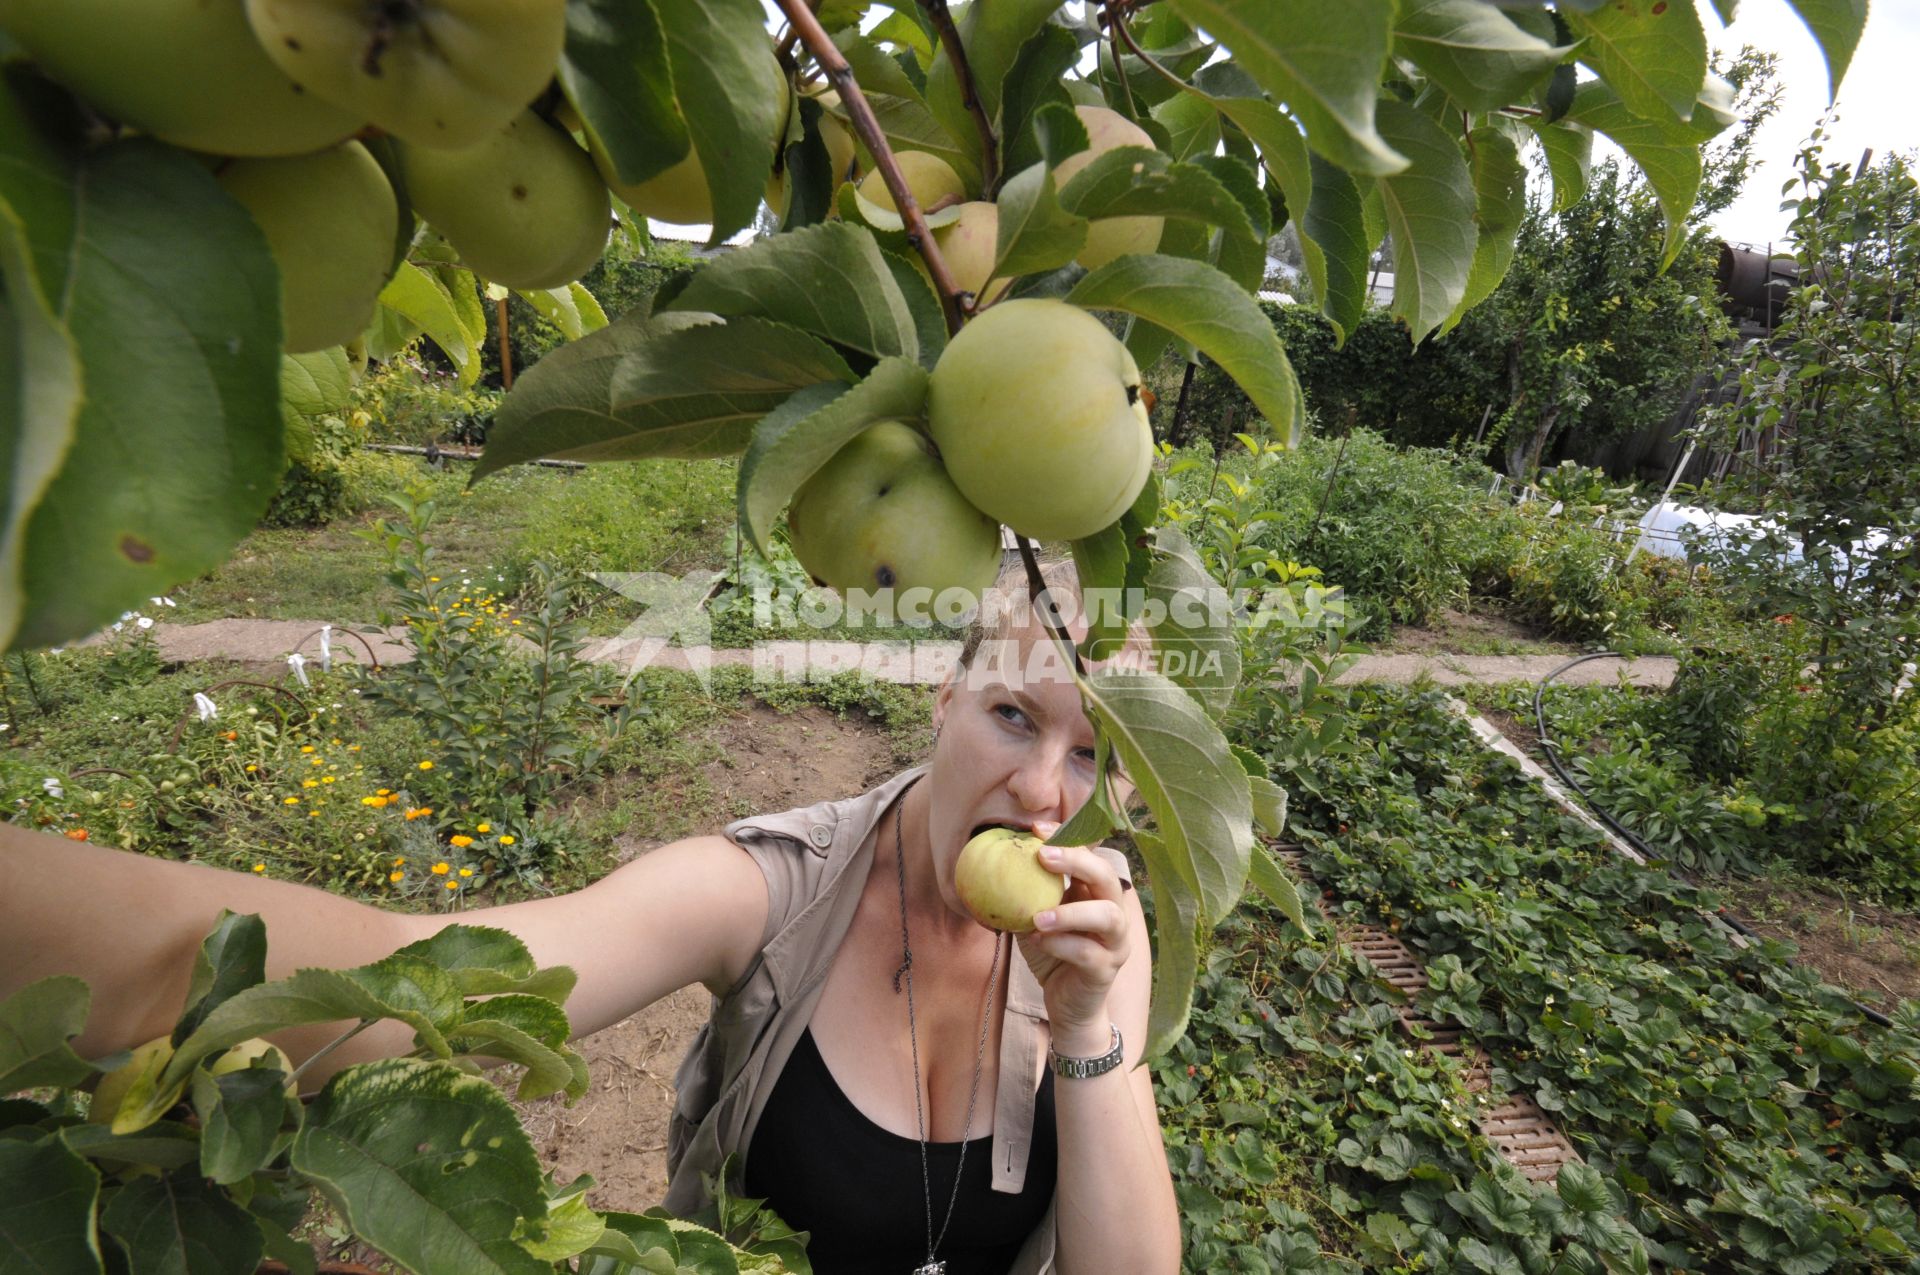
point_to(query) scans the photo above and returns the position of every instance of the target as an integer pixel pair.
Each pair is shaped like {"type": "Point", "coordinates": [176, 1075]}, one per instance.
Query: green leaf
{"type": "Point", "coordinates": [697, 392]}
{"type": "Point", "coordinates": [171, 300]}
{"type": "Point", "coordinates": [426, 1164]}
{"type": "Point", "coordinates": [572, 309]}
{"type": "Point", "coordinates": [1666, 151]}
{"type": "Point", "coordinates": [1582, 1189]}
{"type": "Point", "coordinates": [792, 443]}
{"type": "Point", "coordinates": [1194, 641]}
{"type": "Point", "coordinates": [1035, 233]}
{"type": "Point", "coordinates": [240, 1117]}
{"type": "Point", "coordinates": [47, 1199]}
{"type": "Point", "coordinates": [1181, 765]}
{"type": "Point", "coordinates": [182, 1223]}
{"type": "Point", "coordinates": [916, 288]}
{"type": "Point", "coordinates": [993, 36]}
{"type": "Point", "coordinates": [1033, 82]}
{"type": "Point", "coordinates": [1323, 60]}
{"type": "Point", "coordinates": [1837, 25]}
{"type": "Point", "coordinates": [317, 382]}
{"type": "Point", "coordinates": [1276, 882]}
{"type": "Point", "coordinates": [1192, 123]}
{"type": "Point", "coordinates": [520, 1034]}
{"type": "Point", "coordinates": [734, 96]}
{"type": "Point", "coordinates": [1100, 564]}
{"type": "Point", "coordinates": [829, 280]}
{"type": "Point", "coordinates": [903, 113]}
{"type": "Point", "coordinates": [424, 300]}
{"type": "Point", "coordinates": [1336, 223]}
{"type": "Point", "coordinates": [570, 1228]}
{"type": "Point", "coordinates": [1569, 151]}
{"type": "Point", "coordinates": [1475, 52]}
{"type": "Point", "coordinates": [1429, 208]}
{"type": "Point", "coordinates": [1176, 952]}
{"type": "Point", "coordinates": [1653, 53]}
{"type": "Point", "coordinates": [1500, 205]}
{"type": "Point", "coordinates": [165, 1144]}
{"type": "Point", "coordinates": [36, 1024]}
{"type": "Point", "coordinates": [1269, 805]}
{"type": "Point", "coordinates": [232, 958]}
{"type": "Point", "coordinates": [615, 72]}
{"type": "Point", "coordinates": [563, 403]}
{"type": "Point", "coordinates": [1096, 819]}
{"type": "Point", "coordinates": [484, 961]}
{"type": "Point", "coordinates": [1133, 181]}
{"type": "Point", "coordinates": [1200, 305]}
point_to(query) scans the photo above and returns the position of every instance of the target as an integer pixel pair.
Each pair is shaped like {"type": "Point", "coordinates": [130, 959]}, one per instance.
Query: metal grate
{"type": "Point", "coordinates": [1516, 1125]}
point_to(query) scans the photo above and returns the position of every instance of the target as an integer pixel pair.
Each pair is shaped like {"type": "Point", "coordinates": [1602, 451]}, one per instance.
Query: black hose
{"type": "Point", "coordinates": [1621, 830]}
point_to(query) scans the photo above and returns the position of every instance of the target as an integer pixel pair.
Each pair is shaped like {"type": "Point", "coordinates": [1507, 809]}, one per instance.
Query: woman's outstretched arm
{"type": "Point", "coordinates": [130, 925]}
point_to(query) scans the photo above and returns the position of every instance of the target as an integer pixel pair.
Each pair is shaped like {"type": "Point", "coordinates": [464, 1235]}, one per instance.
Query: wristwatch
{"type": "Point", "coordinates": [1085, 1068]}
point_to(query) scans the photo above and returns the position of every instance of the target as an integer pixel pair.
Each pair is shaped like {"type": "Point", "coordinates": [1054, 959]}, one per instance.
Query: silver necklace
{"type": "Point", "coordinates": [932, 1265]}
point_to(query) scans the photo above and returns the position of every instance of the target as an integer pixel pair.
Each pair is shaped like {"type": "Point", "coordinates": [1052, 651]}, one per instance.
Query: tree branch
{"type": "Point", "coordinates": [936, 11]}
{"type": "Point", "coordinates": [1049, 614]}
{"type": "Point", "coordinates": [860, 114]}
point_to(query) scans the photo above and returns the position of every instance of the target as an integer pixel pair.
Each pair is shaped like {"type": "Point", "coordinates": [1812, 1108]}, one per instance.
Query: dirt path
{"type": "Point", "coordinates": [268, 642]}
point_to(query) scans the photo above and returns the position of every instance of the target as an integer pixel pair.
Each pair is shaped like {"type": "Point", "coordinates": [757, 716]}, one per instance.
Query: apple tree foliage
{"type": "Point", "coordinates": [144, 407]}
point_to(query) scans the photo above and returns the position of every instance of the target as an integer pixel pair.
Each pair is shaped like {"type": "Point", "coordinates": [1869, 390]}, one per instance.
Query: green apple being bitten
{"type": "Point", "coordinates": [1000, 880]}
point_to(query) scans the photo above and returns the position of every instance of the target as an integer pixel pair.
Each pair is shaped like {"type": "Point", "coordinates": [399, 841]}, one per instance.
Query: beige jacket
{"type": "Point", "coordinates": [816, 859]}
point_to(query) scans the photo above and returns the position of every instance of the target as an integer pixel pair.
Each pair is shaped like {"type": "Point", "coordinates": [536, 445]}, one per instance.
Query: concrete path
{"type": "Point", "coordinates": [270, 641]}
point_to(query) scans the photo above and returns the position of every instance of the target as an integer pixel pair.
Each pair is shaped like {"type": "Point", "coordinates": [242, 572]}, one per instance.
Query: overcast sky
{"type": "Point", "coordinates": [1874, 110]}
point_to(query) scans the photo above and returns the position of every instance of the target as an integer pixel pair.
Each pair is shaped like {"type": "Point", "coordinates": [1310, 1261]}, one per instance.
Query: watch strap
{"type": "Point", "coordinates": [1086, 1068]}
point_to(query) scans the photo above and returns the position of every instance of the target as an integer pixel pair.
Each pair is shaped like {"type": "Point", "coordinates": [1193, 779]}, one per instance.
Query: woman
{"type": "Point", "coordinates": [905, 1083]}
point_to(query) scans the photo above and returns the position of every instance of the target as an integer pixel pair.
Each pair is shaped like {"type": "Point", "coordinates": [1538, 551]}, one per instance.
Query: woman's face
{"type": "Point", "coordinates": [1014, 748]}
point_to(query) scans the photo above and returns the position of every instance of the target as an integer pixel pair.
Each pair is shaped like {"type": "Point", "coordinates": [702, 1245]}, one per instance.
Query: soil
{"type": "Point", "coordinates": [1871, 952]}
{"type": "Point", "coordinates": [1479, 632]}
{"type": "Point", "coordinates": [617, 1131]}
{"type": "Point", "coordinates": [1520, 730]}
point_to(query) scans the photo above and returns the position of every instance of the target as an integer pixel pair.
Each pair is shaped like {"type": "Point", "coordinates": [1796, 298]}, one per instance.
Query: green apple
{"type": "Point", "coordinates": [254, 1052]}
{"type": "Point", "coordinates": [330, 219]}
{"type": "Point", "coordinates": [969, 246]}
{"type": "Point", "coordinates": [1000, 880]}
{"type": "Point", "coordinates": [1039, 416]}
{"type": "Point", "coordinates": [189, 72]}
{"type": "Point", "coordinates": [524, 208]}
{"type": "Point", "coordinates": [679, 195]}
{"type": "Point", "coordinates": [930, 179]}
{"type": "Point", "coordinates": [127, 1097]}
{"type": "Point", "coordinates": [431, 72]}
{"type": "Point", "coordinates": [882, 514]}
{"type": "Point", "coordinates": [1109, 237]}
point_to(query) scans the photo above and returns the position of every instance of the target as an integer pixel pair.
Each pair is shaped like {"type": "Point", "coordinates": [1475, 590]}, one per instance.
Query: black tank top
{"type": "Point", "coordinates": [825, 1168]}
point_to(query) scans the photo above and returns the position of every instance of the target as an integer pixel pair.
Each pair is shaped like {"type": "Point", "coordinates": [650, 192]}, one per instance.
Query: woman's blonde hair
{"type": "Point", "coordinates": [1008, 605]}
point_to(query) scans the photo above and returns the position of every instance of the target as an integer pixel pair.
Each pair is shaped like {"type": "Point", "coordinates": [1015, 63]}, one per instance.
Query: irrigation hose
{"type": "Point", "coordinates": [1552, 751]}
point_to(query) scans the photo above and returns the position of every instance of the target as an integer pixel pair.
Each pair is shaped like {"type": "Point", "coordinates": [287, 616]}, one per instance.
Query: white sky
{"type": "Point", "coordinates": [1871, 110]}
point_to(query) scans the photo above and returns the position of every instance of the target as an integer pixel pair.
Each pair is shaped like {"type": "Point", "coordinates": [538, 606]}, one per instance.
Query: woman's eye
{"type": "Point", "coordinates": [1087, 755]}
{"type": "Point", "coordinates": [1008, 713]}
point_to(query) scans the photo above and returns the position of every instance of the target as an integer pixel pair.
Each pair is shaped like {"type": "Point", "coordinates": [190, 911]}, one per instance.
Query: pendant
{"type": "Point", "coordinates": [931, 1268]}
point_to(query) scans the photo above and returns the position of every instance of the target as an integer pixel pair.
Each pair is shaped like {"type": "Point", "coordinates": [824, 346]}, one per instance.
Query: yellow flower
{"type": "Point", "coordinates": [461, 842]}
{"type": "Point", "coordinates": [466, 872]}
{"type": "Point", "coordinates": [426, 765]}
{"type": "Point", "coordinates": [506, 838]}
{"type": "Point", "coordinates": [326, 779]}
{"type": "Point", "coordinates": [259, 867]}
{"type": "Point", "coordinates": [381, 792]}
{"type": "Point", "coordinates": [397, 862]}
{"type": "Point", "coordinates": [396, 876]}
{"type": "Point", "coordinates": [485, 827]}
{"type": "Point", "coordinates": [250, 768]}
{"type": "Point", "coordinates": [515, 621]}
{"type": "Point", "coordinates": [439, 869]}
{"type": "Point", "coordinates": [434, 579]}
{"type": "Point", "coordinates": [290, 801]}
{"type": "Point", "coordinates": [313, 761]}
{"type": "Point", "coordinates": [419, 812]}
{"type": "Point", "coordinates": [375, 802]}
{"type": "Point", "coordinates": [453, 885]}
{"type": "Point", "coordinates": [306, 748]}
{"type": "Point", "coordinates": [309, 783]}
{"type": "Point", "coordinates": [353, 748]}
{"type": "Point", "coordinates": [315, 814]}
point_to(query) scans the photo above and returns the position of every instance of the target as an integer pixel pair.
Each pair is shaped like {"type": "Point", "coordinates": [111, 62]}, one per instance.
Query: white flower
{"type": "Point", "coordinates": [144, 622]}
{"type": "Point", "coordinates": [116, 628]}
{"type": "Point", "coordinates": [5, 726]}
{"type": "Point", "coordinates": [53, 788]}
{"type": "Point", "coordinates": [205, 707]}
{"type": "Point", "coordinates": [58, 650]}
{"type": "Point", "coordinates": [127, 615]}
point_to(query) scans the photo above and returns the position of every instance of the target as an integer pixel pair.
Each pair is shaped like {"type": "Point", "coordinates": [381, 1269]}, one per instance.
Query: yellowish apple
{"type": "Point", "coordinates": [431, 72]}
{"type": "Point", "coordinates": [126, 1097]}
{"type": "Point", "coordinates": [1109, 237]}
{"type": "Point", "coordinates": [969, 246]}
{"type": "Point", "coordinates": [189, 72]}
{"type": "Point", "coordinates": [999, 879]}
{"type": "Point", "coordinates": [1039, 416]}
{"type": "Point", "coordinates": [882, 514]}
{"type": "Point", "coordinates": [680, 194]}
{"type": "Point", "coordinates": [251, 1052]}
{"type": "Point", "coordinates": [330, 219]}
{"type": "Point", "coordinates": [930, 179]}
{"type": "Point", "coordinates": [525, 208]}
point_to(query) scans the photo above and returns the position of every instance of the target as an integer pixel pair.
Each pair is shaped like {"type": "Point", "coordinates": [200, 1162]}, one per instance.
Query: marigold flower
{"type": "Point", "coordinates": [381, 792]}
{"type": "Point", "coordinates": [419, 812]}
{"type": "Point", "coordinates": [440, 869]}
{"type": "Point", "coordinates": [326, 779]}
{"type": "Point", "coordinates": [259, 867]}
{"type": "Point", "coordinates": [484, 827]}
{"type": "Point", "coordinates": [396, 876]}
{"type": "Point", "coordinates": [453, 885]}
{"type": "Point", "coordinates": [426, 765]}
{"type": "Point", "coordinates": [353, 748]}
{"type": "Point", "coordinates": [76, 834]}
{"type": "Point", "coordinates": [290, 801]}
{"type": "Point", "coordinates": [309, 783]}
{"type": "Point", "coordinates": [506, 838]}
{"type": "Point", "coordinates": [230, 735]}
{"type": "Point", "coordinates": [306, 748]}
{"type": "Point", "coordinates": [462, 841]}
{"type": "Point", "coordinates": [466, 872]}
